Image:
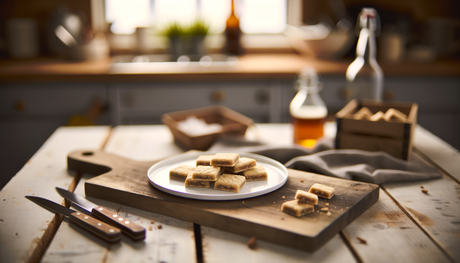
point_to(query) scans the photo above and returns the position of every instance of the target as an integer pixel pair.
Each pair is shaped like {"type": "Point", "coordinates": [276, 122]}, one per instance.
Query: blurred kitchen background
{"type": "Point", "coordinates": [115, 62]}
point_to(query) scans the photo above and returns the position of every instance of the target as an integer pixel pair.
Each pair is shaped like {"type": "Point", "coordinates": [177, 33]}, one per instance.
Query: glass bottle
{"type": "Point", "coordinates": [307, 109]}
{"type": "Point", "coordinates": [364, 75]}
{"type": "Point", "coordinates": [233, 34]}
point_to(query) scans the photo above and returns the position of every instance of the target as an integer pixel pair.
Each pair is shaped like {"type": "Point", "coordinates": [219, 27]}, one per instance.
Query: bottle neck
{"type": "Point", "coordinates": [365, 48]}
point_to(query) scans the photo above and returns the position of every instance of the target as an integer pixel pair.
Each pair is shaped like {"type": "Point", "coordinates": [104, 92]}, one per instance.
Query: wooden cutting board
{"type": "Point", "coordinates": [125, 182]}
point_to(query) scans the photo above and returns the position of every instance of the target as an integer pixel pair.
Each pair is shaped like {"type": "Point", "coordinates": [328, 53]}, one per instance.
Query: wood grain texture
{"type": "Point", "coordinates": [217, 244]}
{"type": "Point", "coordinates": [22, 239]}
{"type": "Point", "coordinates": [436, 212]}
{"type": "Point", "coordinates": [438, 151]}
{"type": "Point", "coordinates": [249, 66]}
{"type": "Point", "coordinates": [174, 242]}
{"type": "Point", "coordinates": [387, 229]}
{"type": "Point", "coordinates": [142, 142]}
{"type": "Point", "coordinates": [128, 184]}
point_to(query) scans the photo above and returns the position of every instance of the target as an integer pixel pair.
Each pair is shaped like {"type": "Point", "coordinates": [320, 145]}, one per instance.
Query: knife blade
{"type": "Point", "coordinates": [90, 224]}
{"type": "Point", "coordinates": [134, 231]}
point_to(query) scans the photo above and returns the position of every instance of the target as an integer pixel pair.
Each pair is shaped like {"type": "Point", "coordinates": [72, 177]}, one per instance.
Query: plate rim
{"type": "Point", "coordinates": [237, 196]}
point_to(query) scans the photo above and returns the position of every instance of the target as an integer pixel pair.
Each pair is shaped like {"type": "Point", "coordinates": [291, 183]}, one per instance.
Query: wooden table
{"type": "Point", "coordinates": [405, 225]}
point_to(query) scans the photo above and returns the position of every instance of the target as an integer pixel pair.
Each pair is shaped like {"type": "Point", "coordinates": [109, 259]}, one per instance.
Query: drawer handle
{"type": "Point", "coordinates": [20, 105]}
{"type": "Point", "coordinates": [218, 96]}
{"type": "Point", "coordinates": [389, 94]}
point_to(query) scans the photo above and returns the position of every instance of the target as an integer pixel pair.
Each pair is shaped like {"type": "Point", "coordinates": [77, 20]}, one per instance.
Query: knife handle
{"type": "Point", "coordinates": [134, 231]}
{"type": "Point", "coordinates": [94, 226]}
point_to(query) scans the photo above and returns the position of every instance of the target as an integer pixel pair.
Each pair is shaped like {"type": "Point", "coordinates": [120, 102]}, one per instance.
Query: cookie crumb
{"type": "Point", "coordinates": [152, 222]}
{"type": "Point", "coordinates": [362, 240]}
{"type": "Point", "coordinates": [328, 213]}
{"type": "Point", "coordinates": [327, 204]}
{"type": "Point", "coordinates": [301, 180]}
{"type": "Point", "coordinates": [324, 209]}
{"type": "Point", "coordinates": [159, 226]}
{"type": "Point", "coordinates": [422, 186]}
{"type": "Point", "coordinates": [252, 243]}
{"type": "Point", "coordinates": [424, 191]}
{"type": "Point", "coordinates": [150, 228]}
{"type": "Point", "coordinates": [284, 197]}
{"type": "Point", "coordinates": [356, 189]}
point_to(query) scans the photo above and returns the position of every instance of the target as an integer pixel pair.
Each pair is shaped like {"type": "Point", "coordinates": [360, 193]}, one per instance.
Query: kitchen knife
{"type": "Point", "coordinates": [134, 231]}
{"type": "Point", "coordinates": [92, 225]}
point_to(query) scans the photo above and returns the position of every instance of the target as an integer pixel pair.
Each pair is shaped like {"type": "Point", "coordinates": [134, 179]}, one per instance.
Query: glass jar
{"type": "Point", "coordinates": [307, 109]}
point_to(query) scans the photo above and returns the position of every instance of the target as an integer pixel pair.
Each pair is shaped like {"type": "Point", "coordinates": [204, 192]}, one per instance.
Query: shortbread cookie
{"type": "Point", "coordinates": [394, 114]}
{"type": "Point", "coordinates": [206, 173]}
{"type": "Point", "coordinates": [204, 160]}
{"type": "Point", "coordinates": [190, 182]}
{"type": "Point", "coordinates": [230, 182]}
{"type": "Point", "coordinates": [376, 117]}
{"type": "Point", "coordinates": [180, 172]}
{"type": "Point", "coordinates": [225, 159]}
{"type": "Point", "coordinates": [257, 173]}
{"type": "Point", "coordinates": [306, 197]}
{"type": "Point", "coordinates": [322, 191]}
{"type": "Point", "coordinates": [295, 208]}
{"type": "Point", "coordinates": [243, 164]}
{"type": "Point", "coordinates": [363, 113]}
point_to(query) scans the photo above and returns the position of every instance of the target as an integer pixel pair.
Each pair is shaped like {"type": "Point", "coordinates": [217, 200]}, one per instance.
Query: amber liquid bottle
{"type": "Point", "coordinates": [233, 34]}
{"type": "Point", "coordinates": [307, 109]}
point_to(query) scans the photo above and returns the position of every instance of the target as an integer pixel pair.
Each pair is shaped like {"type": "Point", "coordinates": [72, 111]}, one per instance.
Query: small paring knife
{"type": "Point", "coordinates": [132, 230]}
{"type": "Point", "coordinates": [90, 224]}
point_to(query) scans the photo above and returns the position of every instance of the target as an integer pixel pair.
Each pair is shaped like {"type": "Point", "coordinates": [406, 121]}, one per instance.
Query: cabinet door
{"type": "Point", "coordinates": [30, 113]}
{"type": "Point", "coordinates": [50, 99]}
{"type": "Point", "coordinates": [438, 100]}
{"type": "Point", "coordinates": [146, 103]}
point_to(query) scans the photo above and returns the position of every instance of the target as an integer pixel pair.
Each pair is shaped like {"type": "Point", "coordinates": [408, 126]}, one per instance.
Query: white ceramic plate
{"type": "Point", "coordinates": [159, 177]}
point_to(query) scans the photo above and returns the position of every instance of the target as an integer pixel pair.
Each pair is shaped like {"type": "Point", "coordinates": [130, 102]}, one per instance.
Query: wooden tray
{"type": "Point", "coordinates": [125, 182]}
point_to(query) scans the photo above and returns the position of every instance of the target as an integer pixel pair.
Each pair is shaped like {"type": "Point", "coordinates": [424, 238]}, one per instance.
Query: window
{"type": "Point", "coordinates": [256, 16]}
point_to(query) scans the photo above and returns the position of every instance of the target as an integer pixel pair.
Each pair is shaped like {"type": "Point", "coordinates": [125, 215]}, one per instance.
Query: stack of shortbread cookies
{"type": "Point", "coordinates": [305, 201]}
{"type": "Point", "coordinates": [227, 171]}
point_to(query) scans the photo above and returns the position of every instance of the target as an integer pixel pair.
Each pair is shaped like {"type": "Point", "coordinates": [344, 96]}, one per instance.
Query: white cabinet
{"type": "Point", "coordinates": [31, 112]}
{"type": "Point", "coordinates": [439, 103]}
{"type": "Point", "coordinates": [145, 103]}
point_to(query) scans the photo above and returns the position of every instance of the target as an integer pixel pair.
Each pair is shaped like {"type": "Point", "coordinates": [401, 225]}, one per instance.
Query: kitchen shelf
{"type": "Point", "coordinates": [248, 66]}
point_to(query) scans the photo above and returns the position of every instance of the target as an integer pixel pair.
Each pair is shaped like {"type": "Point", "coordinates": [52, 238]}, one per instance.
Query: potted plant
{"type": "Point", "coordinates": [198, 31]}
{"type": "Point", "coordinates": [176, 35]}
{"type": "Point", "coordinates": [186, 40]}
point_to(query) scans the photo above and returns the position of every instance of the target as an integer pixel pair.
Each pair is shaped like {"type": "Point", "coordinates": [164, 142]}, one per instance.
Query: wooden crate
{"type": "Point", "coordinates": [393, 137]}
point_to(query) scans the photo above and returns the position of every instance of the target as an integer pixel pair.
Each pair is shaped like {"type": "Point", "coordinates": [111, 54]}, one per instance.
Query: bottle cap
{"type": "Point", "coordinates": [308, 79]}
{"type": "Point", "coordinates": [368, 18]}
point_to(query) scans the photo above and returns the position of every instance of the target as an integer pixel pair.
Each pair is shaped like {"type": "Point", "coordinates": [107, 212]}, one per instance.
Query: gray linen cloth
{"type": "Point", "coordinates": [371, 167]}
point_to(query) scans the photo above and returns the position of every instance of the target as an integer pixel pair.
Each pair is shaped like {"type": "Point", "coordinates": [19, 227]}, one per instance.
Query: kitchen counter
{"type": "Point", "coordinates": [405, 225]}
{"type": "Point", "coordinates": [248, 66]}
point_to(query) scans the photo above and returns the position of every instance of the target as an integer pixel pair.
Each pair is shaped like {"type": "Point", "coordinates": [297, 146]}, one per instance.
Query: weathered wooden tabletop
{"type": "Point", "coordinates": [405, 225]}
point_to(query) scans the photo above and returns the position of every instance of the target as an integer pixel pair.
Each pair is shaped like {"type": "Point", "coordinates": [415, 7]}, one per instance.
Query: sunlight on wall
{"type": "Point", "coordinates": [256, 16]}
